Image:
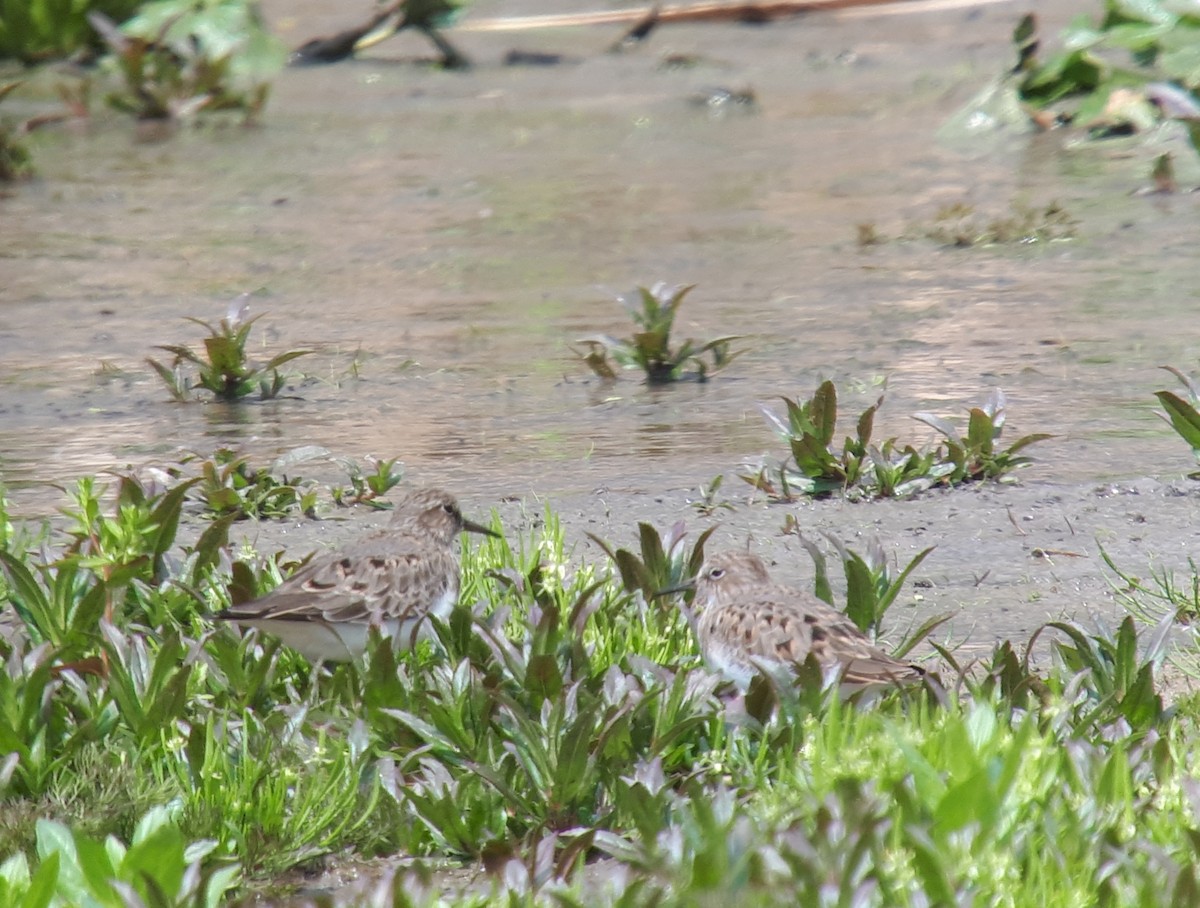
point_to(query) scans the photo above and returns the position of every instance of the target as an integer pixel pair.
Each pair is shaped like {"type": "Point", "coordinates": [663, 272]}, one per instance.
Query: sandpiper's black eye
{"type": "Point", "coordinates": [716, 574]}
{"type": "Point", "coordinates": [450, 509]}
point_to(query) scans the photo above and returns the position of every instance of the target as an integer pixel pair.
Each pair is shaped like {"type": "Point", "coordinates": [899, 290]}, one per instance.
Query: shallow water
{"type": "Point", "coordinates": [441, 239]}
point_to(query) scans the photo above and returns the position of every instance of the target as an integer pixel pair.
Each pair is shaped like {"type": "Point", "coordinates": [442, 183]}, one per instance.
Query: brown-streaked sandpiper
{"type": "Point", "coordinates": [746, 623]}
{"type": "Point", "coordinates": [393, 579]}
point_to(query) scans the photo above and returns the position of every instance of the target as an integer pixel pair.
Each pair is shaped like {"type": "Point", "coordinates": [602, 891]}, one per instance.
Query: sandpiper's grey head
{"type": "Point", "coordinates": [433, 512]}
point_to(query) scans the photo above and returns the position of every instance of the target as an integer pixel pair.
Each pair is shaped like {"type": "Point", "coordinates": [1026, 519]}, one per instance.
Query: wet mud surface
{"type": "Point", "coordinates": [441, 240]}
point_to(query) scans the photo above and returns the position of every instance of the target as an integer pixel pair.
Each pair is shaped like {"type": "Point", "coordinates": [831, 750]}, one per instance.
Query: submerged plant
{"type": "Point", "coordinates": [224, 369]}
{"type": "Point", "coordinates": [654, 310]}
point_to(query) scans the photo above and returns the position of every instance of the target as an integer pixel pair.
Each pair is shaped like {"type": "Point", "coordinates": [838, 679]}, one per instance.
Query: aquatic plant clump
{"type": "Point", "coordinates": [224, 369]}
{"type": "Point", "coordinates": [654, 310]}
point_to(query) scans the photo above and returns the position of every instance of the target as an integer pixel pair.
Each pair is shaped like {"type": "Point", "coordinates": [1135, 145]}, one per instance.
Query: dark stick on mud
{"type": "Point", "coordinates": [346, 43]}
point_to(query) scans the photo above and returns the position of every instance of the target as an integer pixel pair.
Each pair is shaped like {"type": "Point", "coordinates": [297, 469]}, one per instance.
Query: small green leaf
{"type": "Point", "coordinates": [1183, 417]}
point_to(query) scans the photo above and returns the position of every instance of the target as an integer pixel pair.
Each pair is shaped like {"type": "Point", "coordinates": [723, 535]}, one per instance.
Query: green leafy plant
{"type": "Point", "coordinates": [230, 487]}
{"type": "Point", "coordinates": [1182, 414]}
{"type": "Point", "coordinates": [978, 455]}
{"type": "Point", "coordinates": [368, 488]}
{"type": "Point", "coordinates": [158, 867]}
{"type": "Point", "coordinates": [176, 58]}
{"type": "Point", "coordinates": [872, 584]}
{"type": "Point", "coordinates": [1156, 71]}
{"type": "Point", "coordinates": [707, 501]}
{"type": "Point", "coordinates": [224, 370]}
{"type": "Point", "coordinates": [1119, 670]}
{"type": "Point", "coordinates": [103, 571]}
{"type": "Point", "coordinates": [14, 156]}
{"type": "Point", "coordinates": [664, 560]}
{"type": "Point", "coordinates": [279, 793]}
{"type": "Point", "coordinates": [559, 716]}
{"type": "Point", "coordinates": [654, 310]}
{"type": "Point", "coordinates": [892, 469]}
{"type": "Point", "coordinates": [1152, 598]}
{"type": "Point", "coordinates": [37, 31]}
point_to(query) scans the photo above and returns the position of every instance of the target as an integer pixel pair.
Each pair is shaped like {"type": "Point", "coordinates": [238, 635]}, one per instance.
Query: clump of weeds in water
{"type": "Point", "coordinates": [958, 225]}
{"type": "Point", "coordinates": [14, 156]}
{"type": "Point", "coordinates": [861, 469]}
{"type": "Point", "coordinates": [1182, 414]}
{"type": "Point", "coordinates": [224, 369]}
{"type": "Point", "coordinates": [1087, 85]}
{"type": "Point", "coordinates": [176, 58]}
{"type": "Point", "coordinates": [654, 311]}
{"type": "Point", "coordinates": [555, 716]}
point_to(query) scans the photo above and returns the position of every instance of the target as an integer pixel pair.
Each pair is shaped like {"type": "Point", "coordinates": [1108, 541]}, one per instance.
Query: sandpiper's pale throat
{"type": "Point", "coordinates": [745, 622]}
{"type": "Point", "coordinates": [394, 579]}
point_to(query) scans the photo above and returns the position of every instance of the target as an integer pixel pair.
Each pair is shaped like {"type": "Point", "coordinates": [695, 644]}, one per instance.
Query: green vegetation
{"type": "Point", "coordinates": [176, 58]}
{"type": "Point", "coordinates": [368, 488]}
{"type": "Point", "coordinates": [561, 719]}
{"type": "Point", "coordinates": [230, 488]}
{"type": "Point", "coordinates": [872, 584]}
{"type": "Point", "coordinates": [654, 310]}
{"type": "Point", "coordinates": [14, 156]}
{"type": "Point", "coordinates": [959, 225]}
{"type": "Point", "coordinates": [35, 31]}
{"type": "Point", "coordinates": [1182, 414]}
{"type": "Point", "coordinates": [889, 470]}
{"type": "Point", "coordinates": [225, 370]}
{"type": "Point", "coordinates": [1135, 68]}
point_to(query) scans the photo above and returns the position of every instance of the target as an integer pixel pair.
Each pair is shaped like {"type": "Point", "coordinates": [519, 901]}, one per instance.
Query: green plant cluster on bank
{"type": "Point", "coordinates": [891, 469]}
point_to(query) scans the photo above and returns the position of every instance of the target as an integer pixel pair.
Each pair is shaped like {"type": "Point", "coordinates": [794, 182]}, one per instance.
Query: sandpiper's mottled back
{"type": "Point", "coordinates": [743, 621]}
{"type": "Point", "coordinates": [393, 578]}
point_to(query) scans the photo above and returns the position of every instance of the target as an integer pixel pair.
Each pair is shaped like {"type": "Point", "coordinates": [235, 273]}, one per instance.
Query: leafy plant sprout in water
{"type": "Point", "coordinates": [1129, 73]}
{"type": "Point", "coordinates": [653, 311]}
{"type": "Point", "coordinates": [14, 156]}
{"type": "Point", "coordinates": [175, 58]}
{"type": "Point", "coordinates": [224, 369]}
